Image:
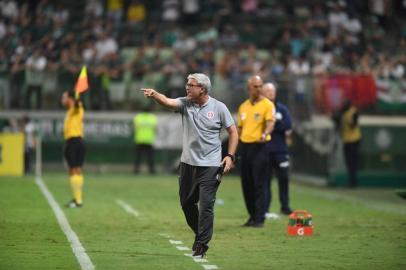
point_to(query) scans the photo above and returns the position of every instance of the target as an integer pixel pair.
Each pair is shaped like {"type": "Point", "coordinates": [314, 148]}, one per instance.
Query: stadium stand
{"type": "Point", "coordinates": [127, 43]}
{"type": "Point", "coordinates": [319, 53]}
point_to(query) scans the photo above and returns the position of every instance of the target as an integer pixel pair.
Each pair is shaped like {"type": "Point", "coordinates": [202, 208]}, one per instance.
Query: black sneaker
{"type": "Point", "coordinates": [249, 223]}
{"type": "Point", "coordinates": [73, 204]}
{"type": "Point", "coordinates": [286, 211]}
{"type": "Point", "coordinates": [257, 225]}
{"type": "Point", "coordinates": [200, 250]}
{"type": "Point", "coordinates": [194, 246]}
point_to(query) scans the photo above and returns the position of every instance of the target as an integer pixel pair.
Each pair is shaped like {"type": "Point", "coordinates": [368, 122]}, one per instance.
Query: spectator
{"type": "Point", "coordinates": [184, 44]}
{"type": "Point", "coordinates": [111, 70]}
{"type": "Point", "coordinates": [191, 10]}
{"type": "Point", "coordinates": [94, 8]}
{"type": "Point", "coordinates": [4, 79]}
{"type": "Point", "coordinates": [229, 38]}
{"type": "Point", "coordinates": [34, 74]}
{"type": "Point", "coordinates": [9, 9]}
{"type": "Point", "coordinates": [346, 122]}
{"type": "Point", "coordinates": [115, 10]}
{"type": "Point", "coordinates": [136, 12]}
{"type": "Point", "coordinates": [170, 11]}
{"type": "Point", "coordinates": [249, 6]}
{"type": "Point", "coordinates": [380, 8]}
{"type": "Point", "coordinates": [283, 45]}
{"type": "Point", "coordinates": [29, 129]}
{"type": "Point", "coordinates": [89, 52]}
{"type": "Point", "coordinates": [16, 80]}
{"type": "Point", "coordinates": [318, 23]}
{"type": "Point", "coordinates": [209, 33]}
{"type": "Point", "coordinates": [299, 66]}
{"type": "Point", "coordinates": [60, 15]}
{"type": "Point", "coordinates": [336, 18]}
{"type": "Point", "coordinates": [3, 29]}
{"type": "Point", "coordinates": [105, 45]}
{"type": "Point", "coordinates": [175, 71]}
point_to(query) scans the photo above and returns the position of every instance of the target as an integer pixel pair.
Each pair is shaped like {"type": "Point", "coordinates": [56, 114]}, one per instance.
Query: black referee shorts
{"type": "Point", "coordinates": [74, 152]}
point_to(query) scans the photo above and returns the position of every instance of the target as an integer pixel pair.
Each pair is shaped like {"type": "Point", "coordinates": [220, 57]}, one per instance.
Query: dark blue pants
{"type": "Point", "coordinates": [28, 155]}
{"type": "Point", "coordinates": [351, 162]}
{"type": "Point", "coordinates": [254, 174]}
{"type": "Point", "coordinates": [279, 163]}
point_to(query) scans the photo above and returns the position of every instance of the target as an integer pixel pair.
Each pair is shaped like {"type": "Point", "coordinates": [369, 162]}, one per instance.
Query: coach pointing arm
{"type": "Point", "coordinates": [173, 104]}
{"type": "Point", "coordinates": [163, 100]}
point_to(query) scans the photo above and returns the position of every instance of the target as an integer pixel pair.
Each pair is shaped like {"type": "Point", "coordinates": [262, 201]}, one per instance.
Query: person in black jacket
{"type": "Point", "coordinates": [347, 124]}
{"type": "Point", "coordinates": [278, 151]}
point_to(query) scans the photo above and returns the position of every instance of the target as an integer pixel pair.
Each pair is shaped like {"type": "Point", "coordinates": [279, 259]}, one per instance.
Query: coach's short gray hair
{"type": "Point", "coordinates": [202, 79]}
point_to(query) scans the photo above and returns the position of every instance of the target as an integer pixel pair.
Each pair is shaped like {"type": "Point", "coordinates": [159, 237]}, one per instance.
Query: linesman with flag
{"type": "Point", "coordinates": [74, 149]}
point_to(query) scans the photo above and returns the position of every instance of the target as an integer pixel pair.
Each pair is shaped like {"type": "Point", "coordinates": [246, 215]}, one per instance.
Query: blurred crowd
{"type": "Point", "coordinates": [43, 44]}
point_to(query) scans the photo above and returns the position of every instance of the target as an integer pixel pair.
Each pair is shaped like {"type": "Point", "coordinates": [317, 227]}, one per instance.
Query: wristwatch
{"type": "Point", "coordinates": [231, 156]}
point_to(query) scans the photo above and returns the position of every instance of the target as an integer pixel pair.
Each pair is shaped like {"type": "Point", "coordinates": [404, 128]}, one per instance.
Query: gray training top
{"type": "Point", "coordinates": [201, 131]}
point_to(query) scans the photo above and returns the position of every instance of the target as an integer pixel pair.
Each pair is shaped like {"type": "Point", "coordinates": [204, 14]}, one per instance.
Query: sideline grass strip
{"type": "Point", "coordinates": [30, 237]}
{"type": "Point", "coordinates": [77, 247]}
{"type": "Point", "coordinates": [348, 234]}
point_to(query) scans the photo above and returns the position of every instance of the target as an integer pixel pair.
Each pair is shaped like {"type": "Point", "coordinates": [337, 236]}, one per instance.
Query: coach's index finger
{"type": "Point", "coordinates": [147, 92]}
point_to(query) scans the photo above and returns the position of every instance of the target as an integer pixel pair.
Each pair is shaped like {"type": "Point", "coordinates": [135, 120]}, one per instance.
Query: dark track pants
{"type": "Point", "coordinates": [254, 174]}
{"type": "Point", "coordinates": [351, 162]}
{"type": "Point", "coordinates": [197, 193]}
{"type": "Point", "coordinates": [279, 163]}
{"type": "Point", "coordinates": [144, 150]}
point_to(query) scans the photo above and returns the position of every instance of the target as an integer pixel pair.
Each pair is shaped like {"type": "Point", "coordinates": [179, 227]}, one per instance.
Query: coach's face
{"type": "Point", "coordinates": [193, 90]}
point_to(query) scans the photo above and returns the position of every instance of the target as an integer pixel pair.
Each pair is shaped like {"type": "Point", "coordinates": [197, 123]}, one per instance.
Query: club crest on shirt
{"type": "Point", "coordinates": [257, 116]}
{"type": "Point", "coordinates": [210, 114]}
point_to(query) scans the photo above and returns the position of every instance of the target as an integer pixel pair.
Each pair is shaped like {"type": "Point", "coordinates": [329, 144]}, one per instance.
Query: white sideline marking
{"type": "Point", "coordinates": [190, 255]}
{"type": "Point", "coordinates": [175, 242]}
{"type": "Point", "coordinates": [78, 249]}
{"type": "Point", "coordinates": [182, 248]}
{"type": "Point", "coordinates": [209, 267]}
{"type": "Point", "coordinates": [165, 235]}
{"type": "Point", "coordinates": [128, 208]}
{"type": "Point", "coordinates": [199, 260]}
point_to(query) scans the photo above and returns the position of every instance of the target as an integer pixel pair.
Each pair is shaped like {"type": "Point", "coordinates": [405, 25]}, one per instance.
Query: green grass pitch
{"type": "Point", "coordinates": [354, 229]}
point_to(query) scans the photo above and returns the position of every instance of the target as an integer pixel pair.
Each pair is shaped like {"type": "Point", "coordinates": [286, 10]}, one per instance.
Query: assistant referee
{"type": "Point", "coordinates": [74, 149]}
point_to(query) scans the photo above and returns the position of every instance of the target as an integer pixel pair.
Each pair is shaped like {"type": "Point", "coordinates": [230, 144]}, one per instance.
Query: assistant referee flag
{"type": "Point", "coordinates": [82, 83]}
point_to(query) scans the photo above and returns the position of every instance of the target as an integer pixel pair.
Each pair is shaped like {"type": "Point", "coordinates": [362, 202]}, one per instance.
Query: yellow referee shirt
{"type": "Point", "coordinates": [73, 124]}
{"type": "Point", "coordinates": [350, 133]}
{"type": "Point", "coordinates": [252, 119]}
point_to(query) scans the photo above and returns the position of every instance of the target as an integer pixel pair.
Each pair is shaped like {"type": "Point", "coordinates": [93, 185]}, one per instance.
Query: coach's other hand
{"type": "Point", "coordinates": [227, 163]}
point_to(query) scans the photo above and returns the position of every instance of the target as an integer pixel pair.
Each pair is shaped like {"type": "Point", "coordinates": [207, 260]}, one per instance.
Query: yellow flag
{"type": "Point", "coordinates": [82, 83]}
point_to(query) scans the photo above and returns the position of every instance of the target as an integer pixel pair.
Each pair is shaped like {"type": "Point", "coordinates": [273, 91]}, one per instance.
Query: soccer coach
{"type": "Point", "coordinates": [201, 165]}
